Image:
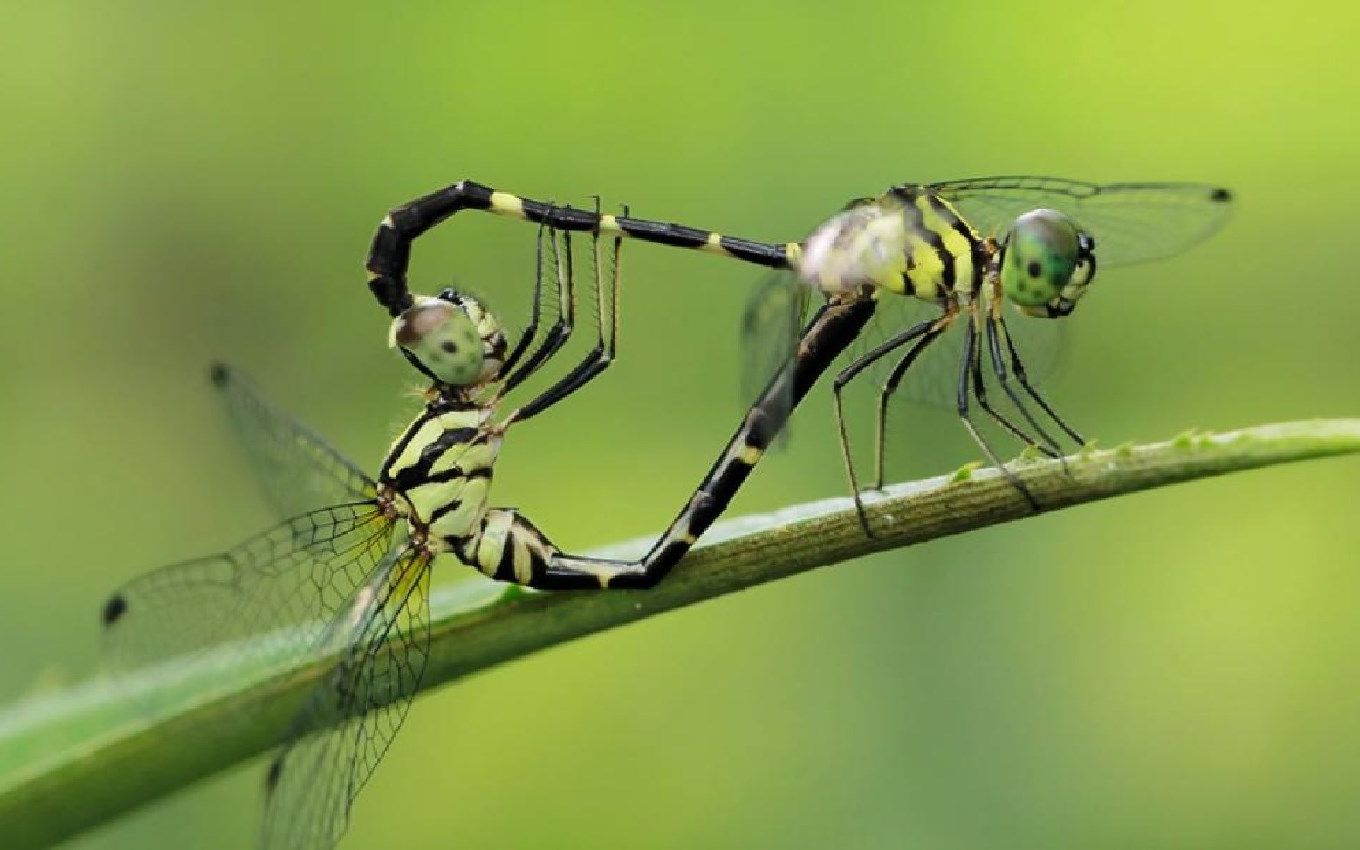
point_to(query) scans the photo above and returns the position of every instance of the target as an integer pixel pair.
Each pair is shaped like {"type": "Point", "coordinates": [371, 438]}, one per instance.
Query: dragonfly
{"type": "Point", "coordinates": [965, 248]}
{"type": "Point", "coordinates": [347, 573]}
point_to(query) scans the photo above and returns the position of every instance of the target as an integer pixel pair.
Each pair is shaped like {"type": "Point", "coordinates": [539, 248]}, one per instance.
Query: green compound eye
{"type": "Point", "coordinates": [442, 339]}
{"type": "Point", "coordinates": [1040, 254]}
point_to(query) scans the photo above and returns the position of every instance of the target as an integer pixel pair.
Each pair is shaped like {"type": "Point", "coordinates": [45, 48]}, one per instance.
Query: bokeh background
{"type": "Point", "coordinates": [182, 182]}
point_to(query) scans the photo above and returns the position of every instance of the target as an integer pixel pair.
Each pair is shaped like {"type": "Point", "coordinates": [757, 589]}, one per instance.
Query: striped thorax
{"type": "Point", "coordinates": [438, 471]}
{"type": "Point", "coordinates": [907, 241]}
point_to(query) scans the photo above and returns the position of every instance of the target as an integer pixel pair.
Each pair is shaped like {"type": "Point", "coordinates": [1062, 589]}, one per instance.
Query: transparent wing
{"type": "Point", "coordinates": [1131, 222]}
{"type": "Point", "coordinates": [298, 574]}
{"type": "Point", "coordinates": [297, 469]}
{"type": "Point", "coordinates": [933, 379]}
{"type": "Point", "coordinates": [923, 407]}
{"type": "Point", "coordinates": [770, 327]}
{"type": "Point", "coordinates": [357, 708]}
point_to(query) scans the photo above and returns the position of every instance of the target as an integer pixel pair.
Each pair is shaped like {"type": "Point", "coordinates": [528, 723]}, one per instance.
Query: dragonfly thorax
{"type": "Point", "coordinates": [439, 468]}
{"type": "Point", "coordinates": [908, 241]}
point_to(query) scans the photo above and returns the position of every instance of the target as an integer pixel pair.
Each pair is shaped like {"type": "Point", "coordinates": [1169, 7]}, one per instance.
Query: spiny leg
{"type": "Point", "coordinates": [890, 387]}
{"type": "Point", "coordinates": [845, 377]}
{"type": "Point", "coordinates": [533, 560]}
{"type": "Point", "coordinates": [1050, 446]}
{"type": "Point", "coordinates": [966, 367]}
{"type": "Point", "coordinates": [530, 330]}
{"type": "Point", "coordinates": [607, 327]}
{"type": "Point", "coordinates": [980, 393]}
{"type": "Point", "coordinates": [390, 253]}
{"type": "Point", "coordinates": [1018, 368]}
{"type": "Point", "coordinates": [560, 332]}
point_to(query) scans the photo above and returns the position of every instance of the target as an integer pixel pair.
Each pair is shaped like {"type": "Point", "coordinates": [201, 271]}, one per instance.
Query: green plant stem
{"type": "Point", "coordinates": [73, 759]}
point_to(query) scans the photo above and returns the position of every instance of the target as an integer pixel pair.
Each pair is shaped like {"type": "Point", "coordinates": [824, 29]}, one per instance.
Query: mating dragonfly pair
{"type": "Point", "coordinates": [348, 570]}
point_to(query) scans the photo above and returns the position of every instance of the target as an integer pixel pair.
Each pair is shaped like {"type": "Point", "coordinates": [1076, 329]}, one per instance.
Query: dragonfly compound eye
{"type": "Point", "coordinates": [441, 339]}
{"type": "Point", "coordinates": [1041, 258]}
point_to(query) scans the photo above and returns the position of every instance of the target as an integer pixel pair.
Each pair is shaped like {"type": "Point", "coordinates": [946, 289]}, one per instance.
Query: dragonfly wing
{"type": "Point", "coordinates": [356, 710]}
{"type": "Point", "coordinates": [771, 325]}
{"type": "Point", "coordinates": [1131, 222]}
{"type": "Point", "coordinates": [926, 396]}
{"type": "Point", "coordinates": [295, 575]}
{"type": "Point", "coordinates": [298, 470]}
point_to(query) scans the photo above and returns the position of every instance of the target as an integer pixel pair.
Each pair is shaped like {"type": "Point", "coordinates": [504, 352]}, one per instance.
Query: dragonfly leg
{"type": "Point", "coordinates": [980, 393]}
{"type": "Point", "coordinates": [607, 328]}
{"type": "Point", "coordinates": [1018, 368]}
{"type": "Point", "coordinates": [967, 366]}
{"type": "Point", "coordinates": [1003, 377]}
{"type": "Point", "coordinates": [848, 374]}
{"type": "Point", "coordinates": [890, 387]}
{"type": "Point", "coordinates": [560, 331]}
{"type": "Point", "coordinates": [535, 311]}
{"type": "Point", "coordinates": [538, 563]}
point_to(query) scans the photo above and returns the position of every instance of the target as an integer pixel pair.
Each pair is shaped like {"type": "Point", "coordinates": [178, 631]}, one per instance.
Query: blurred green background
{"type": "Point", "coordinates": [183, 182]}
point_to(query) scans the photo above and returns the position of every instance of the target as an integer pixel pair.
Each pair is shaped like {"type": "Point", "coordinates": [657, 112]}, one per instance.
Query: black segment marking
{"type": "Point", "coordinates": [444, 509]}
{"type": "Point", "coordinates": [664, 233]}
{"type": "Point", "coordinates": [457, 472]}
{"type": "Point", "coordinates": [385, 473]}
{"type": "Point", "coordinates": [915, 224]}
{"type": "Point", "coordinates": [561, 218]}
{"type": "Point", "coordinates": [828, 334]}
{"type": "Point", "coordinates": [760, 253]}
{"type": "Point", "coordinates": [958, 226]}
{"type": "Point", "coordinates": [505, 567]}
{"type": "Point", "coordinates": [390, 251]}
{"type": "Point", "coordinates": [419, 472]}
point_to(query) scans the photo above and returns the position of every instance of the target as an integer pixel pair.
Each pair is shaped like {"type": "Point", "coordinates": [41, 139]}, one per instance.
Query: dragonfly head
{"type": "Point", "coordinates": [451, 339]}
{"type": "Point", "coordinates": [1046, 263]}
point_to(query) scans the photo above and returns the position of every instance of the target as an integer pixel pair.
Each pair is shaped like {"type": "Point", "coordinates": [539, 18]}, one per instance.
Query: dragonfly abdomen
{"type": "Point", "coordinates": [505, 546]}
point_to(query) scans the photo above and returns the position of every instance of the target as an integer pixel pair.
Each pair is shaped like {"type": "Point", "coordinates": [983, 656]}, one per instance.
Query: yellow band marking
{"type": "Point", "coordinates": [751, 455]}
{"type": "Point", "coordinates": [713, 245]}
{"type": "Point", "coordinates": [504, 203]}
{"type": "Point", "coordinates": [522, 562]}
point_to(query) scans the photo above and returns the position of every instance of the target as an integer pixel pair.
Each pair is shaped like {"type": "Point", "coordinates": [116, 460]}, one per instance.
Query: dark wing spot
{"type": "Point", "coordinates": [1034, 269]}
{"type": "Point", "coordinates": [271, 779]}
{"type": "Point", "coordinates": [1220, 196]}
{"type": "Point", "coordinates": [219, 373]}
{"type": "Point", "coordinates": [449, 346]}
{"type": "Point", "coordinates": [115, 608]}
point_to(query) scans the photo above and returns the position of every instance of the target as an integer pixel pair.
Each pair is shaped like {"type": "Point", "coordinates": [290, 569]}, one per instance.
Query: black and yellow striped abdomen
{"type": "Point", "coordinates": [389, 255]}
